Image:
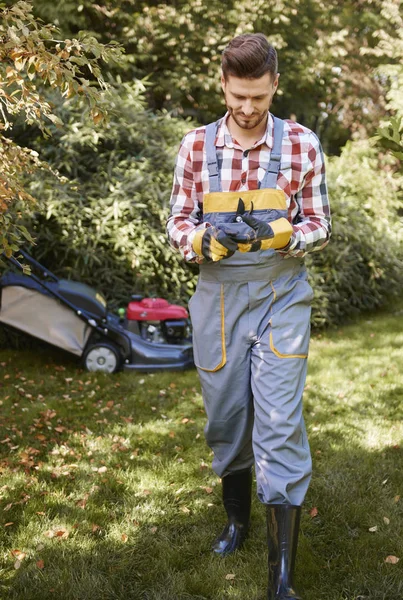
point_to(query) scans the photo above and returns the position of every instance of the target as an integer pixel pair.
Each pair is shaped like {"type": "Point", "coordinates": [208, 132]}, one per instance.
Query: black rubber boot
{"type": "Point", "coordinates": [236, 494]}
{"type": "Point", "coordinates": [282, 539]}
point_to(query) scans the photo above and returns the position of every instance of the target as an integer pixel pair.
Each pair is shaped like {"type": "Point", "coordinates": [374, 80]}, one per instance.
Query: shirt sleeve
{"type": "Point", "coordinates": [312, 225]}
{"type": "Point", "coordinates": [185, 211]}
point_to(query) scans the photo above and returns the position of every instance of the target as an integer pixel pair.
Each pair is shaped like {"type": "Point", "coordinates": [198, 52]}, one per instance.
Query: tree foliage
{"type": "Point", "coordinates": [390, 135]}
{"type": "Point", "coordinates": [325, 80]}
{"type": "Point", "coordinates": [32, 59]}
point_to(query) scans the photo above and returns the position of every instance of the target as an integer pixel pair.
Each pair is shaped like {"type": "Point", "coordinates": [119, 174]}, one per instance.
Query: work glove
{"type": "Point", "coordinates": [213, 244]}
{"type": "Point", "coordinates": [275, 234]}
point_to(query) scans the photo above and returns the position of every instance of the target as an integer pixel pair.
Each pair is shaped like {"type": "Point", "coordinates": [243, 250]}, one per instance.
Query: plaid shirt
{"type": "Point", "coordinates": [301, 177]}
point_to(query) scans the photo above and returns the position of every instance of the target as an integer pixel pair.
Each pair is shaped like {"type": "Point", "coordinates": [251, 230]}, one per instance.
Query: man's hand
{"type": "Point", "coordinates": [213, 245]}
{"type": "Point", "coordinates": [276, 234]}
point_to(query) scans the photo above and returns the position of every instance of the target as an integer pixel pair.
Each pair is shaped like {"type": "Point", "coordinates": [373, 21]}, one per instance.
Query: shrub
{"type": "Point", "coordinates": [108, 227]}
{"type": "Point", "coordinates": [361, 267]}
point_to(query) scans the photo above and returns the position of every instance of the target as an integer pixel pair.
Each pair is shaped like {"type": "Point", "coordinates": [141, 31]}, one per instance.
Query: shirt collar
{"type": "Point", "coordinates": [224, 137]}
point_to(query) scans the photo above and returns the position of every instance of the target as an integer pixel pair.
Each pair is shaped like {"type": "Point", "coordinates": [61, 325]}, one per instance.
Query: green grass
{"type": "Point", "coordinates": [107, 492]}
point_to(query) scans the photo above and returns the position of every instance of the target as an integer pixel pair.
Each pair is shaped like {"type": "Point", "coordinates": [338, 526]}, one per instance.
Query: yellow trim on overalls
{"type": "Point", "coordinates": [223, 347]}
{"type": "Point", "coordinates": [272, 346]}
{"type": "Point", "coordinates": [262, 199]}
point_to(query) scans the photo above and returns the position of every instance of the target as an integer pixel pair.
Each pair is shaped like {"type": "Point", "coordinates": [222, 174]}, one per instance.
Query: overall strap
{"type": "Point", "coordinates": [270, 177]}
{"type": "Point", "coordinates": [211, 155]}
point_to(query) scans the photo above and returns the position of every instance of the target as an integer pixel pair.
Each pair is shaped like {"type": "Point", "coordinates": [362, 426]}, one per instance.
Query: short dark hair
{"type": "Point", "coordinates": [249, 56]}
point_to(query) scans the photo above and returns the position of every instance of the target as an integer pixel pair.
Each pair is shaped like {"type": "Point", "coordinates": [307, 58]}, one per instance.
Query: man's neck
{"type": "Point", "coordinates": [246, 137]}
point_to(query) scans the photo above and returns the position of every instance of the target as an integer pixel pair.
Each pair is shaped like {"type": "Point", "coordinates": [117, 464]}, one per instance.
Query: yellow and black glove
{"type": "Point", "coordinates": [213, 244]}
{"type": "Point", "coordinates": [275, 234]}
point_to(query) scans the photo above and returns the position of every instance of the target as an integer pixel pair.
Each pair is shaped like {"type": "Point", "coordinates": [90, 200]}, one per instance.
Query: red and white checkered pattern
{"type": "Point", "coordinates": [301, 177]}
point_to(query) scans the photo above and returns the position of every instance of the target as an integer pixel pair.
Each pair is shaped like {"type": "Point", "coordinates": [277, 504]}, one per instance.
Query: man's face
{"type": "Point", "coordinates": [248, 100]}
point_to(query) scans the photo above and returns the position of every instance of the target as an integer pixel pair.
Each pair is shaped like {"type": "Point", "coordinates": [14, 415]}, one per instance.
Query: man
{"type": "Point", "coordinates": [249, 201]}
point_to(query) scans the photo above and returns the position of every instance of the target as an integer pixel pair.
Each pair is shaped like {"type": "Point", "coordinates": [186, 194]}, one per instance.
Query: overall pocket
{"type": "Point", "coordinates": [207, 313]}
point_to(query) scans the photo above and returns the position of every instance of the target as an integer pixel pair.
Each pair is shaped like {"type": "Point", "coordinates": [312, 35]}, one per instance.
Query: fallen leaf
{"type": "Point", "coordinates": [82, 503]}
{"type": "Point", "coordinates": [40, 564]}
{"type": "Point", "coordinates": [396, 499]}
{"type": "Point", "coordinates": [185, 509]}
{"type": "Point", "coordinates": [153, 529]}
{"type": "Point", "coordinates": [230, 576]}
{"type": "Point", "coordinates": [314, 512]}
{"type": "Point", "coordinates": [18, 554]}
{"type": "Point", "coordinates": [373, 529]}
{"type": "Point", "coordinates": [17, 564]}
{"type": "Point", "coordinates": [392, 560]}
{"type": "Point", "coordinates": [124, 538]}
{"type": "Point", "coordinates": [386, 520]}
{"type": "Point", "coordinates": [61, 533]}
{"type": "Point", "coordinates": [8, 524]}
{"type": "Point", "coordinates": [102, 469]}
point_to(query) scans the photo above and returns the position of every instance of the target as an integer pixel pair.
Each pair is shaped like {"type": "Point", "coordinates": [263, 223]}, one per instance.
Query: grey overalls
{"type": "Point", "coordinates": [251, 325]}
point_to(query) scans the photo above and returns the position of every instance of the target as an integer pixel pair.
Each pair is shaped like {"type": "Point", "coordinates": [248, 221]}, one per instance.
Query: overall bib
{"type": "Point", "coordinates": [251, 326]}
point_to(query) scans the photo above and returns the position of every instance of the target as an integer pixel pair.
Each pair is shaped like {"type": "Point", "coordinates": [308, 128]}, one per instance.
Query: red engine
{"type": "Point", "coordinates": [156, 320]}
{"type": "Point", "coordinates": [155, 309]}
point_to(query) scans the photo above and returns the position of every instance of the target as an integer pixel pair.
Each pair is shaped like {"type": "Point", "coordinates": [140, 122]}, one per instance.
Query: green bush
{"type": "Point", "coordinates": [362, 267]}
{"type": "Point", "coordinates": [108, 227]}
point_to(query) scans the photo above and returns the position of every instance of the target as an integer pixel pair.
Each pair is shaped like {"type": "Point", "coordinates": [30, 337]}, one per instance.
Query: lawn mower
{"type": "Point", "coordinates": [149, 335]}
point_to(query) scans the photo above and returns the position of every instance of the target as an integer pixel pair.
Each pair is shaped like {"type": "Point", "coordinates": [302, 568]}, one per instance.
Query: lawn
{"type": "Point", "coordinates": [106, 489]}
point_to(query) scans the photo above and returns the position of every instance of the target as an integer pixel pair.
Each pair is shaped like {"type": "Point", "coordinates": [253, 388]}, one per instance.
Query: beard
{"type": "Point", "coordinates": [249, 122]}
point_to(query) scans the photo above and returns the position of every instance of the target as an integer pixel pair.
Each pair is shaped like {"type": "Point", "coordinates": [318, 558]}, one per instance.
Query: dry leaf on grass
{"type": "Point", "coordinates": [40, 564]}
{"type": "Point", "coordinates": [18, 554]}
{"type": "Point", "coordinates": [230, 576]}
{"type": "Point", "coordinates": [59, 532]}
{"type": "Point", "coordinates": [373, 529]}
{"type": "Point", "coordinates": [392, 560]}
{"type": "Point", "coordinates": [314, 512]}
